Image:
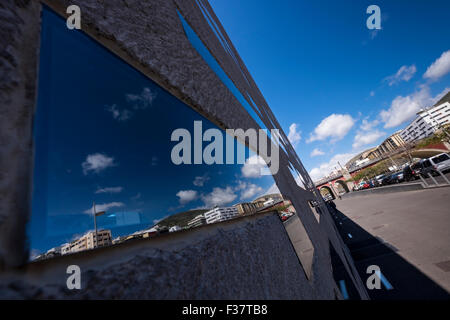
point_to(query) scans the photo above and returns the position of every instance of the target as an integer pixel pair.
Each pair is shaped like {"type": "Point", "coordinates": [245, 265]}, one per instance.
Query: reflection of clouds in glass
{"type": "Point", "coordinates": [219, 197]}
{"type": "Point", "coordinates": [186, 196]}
{"type": "Point", "coordinates": [136, 197]}
{"type": "Point", "coordinates": [143, 100]}
{"type": "Point", "coordinates": [248, 190]}
{"type": "Point", "coordinates": [97, 162]}
{"type": "Point", "coordinates": [104, 207]}
{"type": "Point", "coordinates": [109, 190]}
{"type": "Point", "coordinates": [273, 189]}
{"type": "Point", "coordinates": [138, 101]}
{"type": "Point", "coordinates": [253, 167]}
{"type": "Point", "coordinates": [119, 115]}
{"type": "Point", "coordinates": [200, 181]}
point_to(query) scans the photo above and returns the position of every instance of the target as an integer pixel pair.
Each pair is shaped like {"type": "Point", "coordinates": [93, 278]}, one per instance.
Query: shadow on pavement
{"type": "Point", "coordinates": [400, 279]}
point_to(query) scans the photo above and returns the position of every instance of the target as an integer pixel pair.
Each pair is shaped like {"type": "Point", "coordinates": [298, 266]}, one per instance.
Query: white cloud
{"type": "Point", "coordinates": [119, 115]}
{"type": "Point", "coordinates": [96, 163]}
{"type": "Point", "coordinates": [335, 127]}
{"type": "Point", "coordinates": [200, 180]}
{"type": "Point", "coordinates": [317, 152]}
{"type": "Point", "coordinates": [405, 108]}
{"type": "Point", "coordinates": [248, 190]}
{"type": "Point", "coordinates": [372, 93]}
{"type": "Point", "coordinates": [294, 135]}
{"type": "Point", "coordinates": [327, 167]}
{"type": "Point", "coordinates": [109, 190]}
{"type": "Point", "coordinates": [186, 196]}
{"type": "Point", "coordinates": [439, 68]}
{"type": "Point", "coordinates": [405, 73]}
{"type": "Point", "coordinates": [104, 207]}
{"type": "Point", "coordinates": [367, 125]}
{"type": "Point", "coordinates": [253, 167]}
{"type": "Point", "coordinates": [138, 102]}
{"type": "Point", "coordinates": [219, 197]}
{"type": "Point", "coordinates": [136, 197]}
{"type": "Point", "coordinates": [143, 100]}
{"type": "Point", "coordinates": [272, 189]}
{"type": "Point", "coordinates": [364, 138]}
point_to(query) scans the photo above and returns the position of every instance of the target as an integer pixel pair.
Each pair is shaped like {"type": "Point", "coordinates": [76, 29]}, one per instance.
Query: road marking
{"type": "Point", "coordinates": [343, 289]}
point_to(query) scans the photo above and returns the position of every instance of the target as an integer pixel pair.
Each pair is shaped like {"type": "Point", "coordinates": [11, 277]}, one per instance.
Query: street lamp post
{"type": "Point", "coordinates": [95, 222]}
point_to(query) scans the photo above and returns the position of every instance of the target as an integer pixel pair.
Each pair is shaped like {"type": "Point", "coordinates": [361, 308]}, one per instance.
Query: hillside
{"type": "Point", "coordinates": [180, 219]}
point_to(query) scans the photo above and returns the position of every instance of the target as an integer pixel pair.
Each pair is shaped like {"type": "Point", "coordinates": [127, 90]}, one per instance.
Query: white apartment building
{"type": "Point", "coordinates": [87, 241]}
{"type": "Point", "coordinates": [428, 121]}
{"type": "Point", "coordinates": [197, 221]}
{"type": "Point", "coordinates": [218, 214]}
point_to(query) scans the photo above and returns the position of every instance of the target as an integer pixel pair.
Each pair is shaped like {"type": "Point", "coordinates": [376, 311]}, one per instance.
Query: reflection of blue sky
{"type": "Point", "coordinates": [102, 133]}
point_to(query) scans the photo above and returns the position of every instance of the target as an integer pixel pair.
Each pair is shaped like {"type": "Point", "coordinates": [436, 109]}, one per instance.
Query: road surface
{"type": "Point", "coordinates": [407, 234]}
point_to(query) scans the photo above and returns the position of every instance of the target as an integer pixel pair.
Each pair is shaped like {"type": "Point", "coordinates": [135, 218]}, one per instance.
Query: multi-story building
{"type": "Point", "coordinates": [88, 241]}
{"type": "Point", "coordinates": [391, 143]}
{"type": "Point", "coordinates": [218, 214]}
{"type": "Point", "coordinates": [428, 120]}
{"type": "Point", "coordinates": [197, 221]}
{"type": "Point", "coordinates": [246, 208]}
{"type": "Point", "coordinates": [185, 66]}
{"type": "Point", "coordinates": [262, 201]}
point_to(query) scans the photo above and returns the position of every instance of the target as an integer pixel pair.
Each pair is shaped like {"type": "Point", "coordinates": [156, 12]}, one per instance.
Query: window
{"type": "Point", "coordinates": [102, 132]}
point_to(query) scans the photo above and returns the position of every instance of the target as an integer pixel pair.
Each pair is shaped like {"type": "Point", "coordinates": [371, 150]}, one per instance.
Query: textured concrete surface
{"type": "Point", "coordinates": [246, 258]}
{"type": "Point", "coordinates": [407, 234]}
{"type": "Point", "coordinates": [149, 36]}
{"type": "Point", "coordinates": [19, 39]}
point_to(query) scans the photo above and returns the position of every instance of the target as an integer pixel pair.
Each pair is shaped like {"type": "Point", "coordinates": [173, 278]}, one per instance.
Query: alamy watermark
{"type": "Point", "coordinates": [74, 280]}
{"type": "Point", "coordinates": [190, 149]}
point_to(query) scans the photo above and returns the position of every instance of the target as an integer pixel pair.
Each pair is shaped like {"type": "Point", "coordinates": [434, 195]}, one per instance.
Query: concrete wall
{"type": "Point", "coordinates": [19, 52]}
{"type": "Point", "coordinates": [149, 36]}
{"type": "Point", "coordinates": [246, 258]}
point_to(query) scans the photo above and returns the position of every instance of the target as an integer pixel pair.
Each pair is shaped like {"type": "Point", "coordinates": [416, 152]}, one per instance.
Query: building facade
{"type": "Point", "coordinates": [198, 221]}
{"type": "Point", "coordinates": [88, 241]}
{"type": "Point", "coordinates": [219, 214]}
{"type": "Point", "coordinates": [246, 208]}
{"type": "Point", "coordinates": [428, 121]}
{"type": "Point", "coordinates": [391, 143]}
{"type": "Point", "coordinates": [176, 48]}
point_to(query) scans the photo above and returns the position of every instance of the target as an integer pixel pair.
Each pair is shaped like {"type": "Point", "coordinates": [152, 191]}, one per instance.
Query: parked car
{"type": "Point", "coordinates": [441, 162]}
{"type": "Point", "coordinates": [380, 178]}
{"type": "Point", "coordinates": [386, 180]}
{"type": "Point", "coordinates": [409, 174]}
{"type": "Point", "coordinates": [424, 167]}
{"type": "Point", "coordinates": [396, 177]}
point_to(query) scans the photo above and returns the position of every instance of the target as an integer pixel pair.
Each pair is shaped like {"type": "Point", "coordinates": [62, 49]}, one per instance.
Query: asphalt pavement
{"type": "Point", "coordinates": [406, 234]}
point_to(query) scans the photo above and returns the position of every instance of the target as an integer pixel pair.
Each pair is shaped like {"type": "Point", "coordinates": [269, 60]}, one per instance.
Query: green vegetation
{"type": "Point", "coordinates": [381, 167]}
{"type": "Point", "coordinates": [180, 219]}
{"type": "Point", "coordinates": [436, 138]}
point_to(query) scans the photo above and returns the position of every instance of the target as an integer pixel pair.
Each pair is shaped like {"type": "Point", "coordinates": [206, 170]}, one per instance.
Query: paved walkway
{"type": "Point", "coordinates": [407, 234]}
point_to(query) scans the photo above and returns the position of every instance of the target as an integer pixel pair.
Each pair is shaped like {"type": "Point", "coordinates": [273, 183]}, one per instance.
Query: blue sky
{"type": "Point", "coordinates": [337, 86]}
{"type": "Point", "coordinates": [103, 133]}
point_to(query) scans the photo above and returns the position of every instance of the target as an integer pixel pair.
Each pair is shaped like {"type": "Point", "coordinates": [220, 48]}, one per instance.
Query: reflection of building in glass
{"type": "Point", "coordinates": [88, 241]}
{"type": "Point", "coordinates": [183, 72]}
{"type": "Point", "coordinates": [174, 228]}
{"type": "Point", "coordinates": [267, 200]}
{"type": "Point", "coordinates": [197, 221]}
{"type": "Point", "coordinates": [246, 208]}
{"type": "Point", "coordinates": [218, 214]}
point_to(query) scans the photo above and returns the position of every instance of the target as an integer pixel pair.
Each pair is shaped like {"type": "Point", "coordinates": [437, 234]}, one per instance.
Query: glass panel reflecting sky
{"type": "Point", "coordinates": [103, 133]}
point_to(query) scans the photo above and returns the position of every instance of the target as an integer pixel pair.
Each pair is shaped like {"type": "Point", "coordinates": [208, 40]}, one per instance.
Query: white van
{"type": "Point", "coordinates": [441, 162]}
